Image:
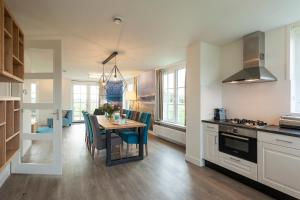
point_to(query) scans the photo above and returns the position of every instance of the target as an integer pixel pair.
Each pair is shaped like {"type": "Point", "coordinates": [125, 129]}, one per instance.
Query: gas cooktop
{"type": "Point", "coordinates": [247, 122]}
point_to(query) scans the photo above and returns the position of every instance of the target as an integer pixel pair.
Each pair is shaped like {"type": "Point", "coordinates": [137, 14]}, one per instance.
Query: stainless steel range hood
{"type": "Point", "coordinates": [253, 61]}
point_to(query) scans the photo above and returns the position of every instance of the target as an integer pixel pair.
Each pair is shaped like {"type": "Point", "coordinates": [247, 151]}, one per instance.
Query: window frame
{"type": "Point", "coordinates": [292, 65]}
{"type": "Point", "coordinates": [173, 69]}
{"type": "Point", "coordinates": [87, 99]}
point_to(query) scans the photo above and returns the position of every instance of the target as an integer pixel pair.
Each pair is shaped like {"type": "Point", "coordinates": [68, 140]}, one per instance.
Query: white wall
{"type": "Point", "coordinates": [203, 94]}
{"type": "Point", "coordinates": [67, 94]}
{"type": "Point", "coordinates": [263, 101]}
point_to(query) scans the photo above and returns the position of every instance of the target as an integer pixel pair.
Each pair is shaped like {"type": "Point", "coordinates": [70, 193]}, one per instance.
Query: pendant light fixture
{"type": "Point", "coordinates": [115, 77]}
{"type": "Point", "coordinates": [102, 79]}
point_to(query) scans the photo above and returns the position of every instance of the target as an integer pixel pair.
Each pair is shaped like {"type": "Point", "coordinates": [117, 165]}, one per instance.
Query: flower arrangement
{"type": "Point", "coordinates": [110, 109]}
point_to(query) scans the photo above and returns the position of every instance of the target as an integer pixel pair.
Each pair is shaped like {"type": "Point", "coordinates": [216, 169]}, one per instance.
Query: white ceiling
{"type": "Point", "coordinates": [154, 32]}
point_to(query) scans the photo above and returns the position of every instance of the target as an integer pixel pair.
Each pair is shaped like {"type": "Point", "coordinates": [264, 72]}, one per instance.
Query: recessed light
{"type": "Point", "coordinates": [117, 20]}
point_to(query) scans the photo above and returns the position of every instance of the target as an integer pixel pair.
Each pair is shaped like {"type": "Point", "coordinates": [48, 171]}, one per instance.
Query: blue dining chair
{"type": "Point", "coordinates": [132, 136]}
{"type": "Point", "coordinates": [87, 130]}
{"type": "Point", "coordinates": [128, 114]}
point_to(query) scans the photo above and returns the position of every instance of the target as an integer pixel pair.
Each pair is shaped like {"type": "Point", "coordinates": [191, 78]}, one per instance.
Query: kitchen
{"type": "Point", "coordinates": [254, 137]}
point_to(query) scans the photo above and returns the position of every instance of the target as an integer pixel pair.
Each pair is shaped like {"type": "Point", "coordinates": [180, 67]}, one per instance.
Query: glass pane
{"type": "Point", "coordinates": [37, 121]}
{"type": "Point", "coordinates": [171, 98]}
{"type": "Point", "coordinates": [237, 144]}
{"type": "Point", "coordinates": [38, 91]}
{"type": "Point", "coordinates": [181, 78]}
{"type": "Point", "coordinates": [181, 96]}
{"type": "Point", "coordinates": [181, 114]}
{"type": "Point", "coordinates": [83, 89]}
{"type": "Point", "coordinates": [93, 106]}
{"type": "Point", "coordinates": [171, 113]}
{"type": "Point", "coordinates": [77, 116]}
{"type": "Point", "coordinates": [165, 81]}
{"type": "Point", "coordinates": [165, 96]}
{"type": "Point", "coordinates": [171, 80]}
{"type": "Point", "coordinates": [165, 112]}
{"type": "Point", "coordinates": [37, 151]}
{"type": "Point", "coordinates": [38, 60]}
{"type": "Point", "coordinates": [94, 90]}
{"type": "Point", "coordinates": [76, 89]}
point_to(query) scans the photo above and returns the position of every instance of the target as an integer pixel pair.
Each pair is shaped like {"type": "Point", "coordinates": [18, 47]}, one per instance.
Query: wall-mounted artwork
{"type": "Point", "coordinates": [146, 87]}
{"type": "Point", "coordinates": [114, 92]}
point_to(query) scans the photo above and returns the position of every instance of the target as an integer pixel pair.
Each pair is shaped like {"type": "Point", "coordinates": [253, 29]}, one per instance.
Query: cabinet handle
{"type": "Point", "coordinates": [216, 139]}
{"type": "Point", "coordinates": [279, 140]}
{"type": "Point", "coordinates": [210, 127]}
{"type": "Point", "coordinates": [234, 159]}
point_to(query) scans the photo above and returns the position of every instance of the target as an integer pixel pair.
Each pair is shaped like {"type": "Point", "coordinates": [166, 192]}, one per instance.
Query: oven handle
{"type": "Point", "coordinates": [233, 136]}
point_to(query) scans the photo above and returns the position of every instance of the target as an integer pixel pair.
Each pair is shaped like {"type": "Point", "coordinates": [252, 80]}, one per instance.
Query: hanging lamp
{"type": "Point", "coordinates": [115, 77]}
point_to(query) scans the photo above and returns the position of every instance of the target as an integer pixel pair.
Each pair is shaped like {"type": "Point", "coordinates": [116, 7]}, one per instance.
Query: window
{"type": "Point", "coordinates": [94, 98]}
{"type": "Point", "coordinates": [33, 92]}
{"type": "Point", "coordinates": [295, 70]}
{"type": "Point", "coordinates": [174, 96]}
{"type": "Point", "coordinates": [85, 98]}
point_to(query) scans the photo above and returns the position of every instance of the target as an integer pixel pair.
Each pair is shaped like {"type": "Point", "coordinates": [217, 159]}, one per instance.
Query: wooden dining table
{"type": "Point", "coordinates": [110, 126]}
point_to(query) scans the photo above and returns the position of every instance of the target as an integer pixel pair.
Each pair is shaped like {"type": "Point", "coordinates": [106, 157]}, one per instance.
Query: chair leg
{"type": "Point", "coordinates": [127, 150]}
{"type": "Point", "coordinates": [121, 150]}
{"type": "Point", "coordinates": [146, 147]}
{"type": "Point", "coordinates": [93, 151]}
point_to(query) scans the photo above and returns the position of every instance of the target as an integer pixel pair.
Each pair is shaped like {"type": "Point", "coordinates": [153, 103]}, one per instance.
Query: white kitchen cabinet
{"type": "Point", "coordinates": [279, 162]}
{"type": "Point", "coordinates": [211, 147]}
{"type": "Point", "coordinates": [237, 165]}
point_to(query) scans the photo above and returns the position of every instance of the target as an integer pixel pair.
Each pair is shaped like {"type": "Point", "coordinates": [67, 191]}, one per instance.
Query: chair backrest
{"type": "Point", "coordinates": [88, 125]}
{"type": "Point", "coordinates": [133, 115]}
{"type": "Point", "coordinates": [145, 118]}
{"type": "Point", "coordinates": [99, 142]}
{"type": "Point", "coordinates": [136, 117]}
{"type": "Point", "coordinates": [128, 114]}
{"type": "Point", "coordinates": [124, 111]}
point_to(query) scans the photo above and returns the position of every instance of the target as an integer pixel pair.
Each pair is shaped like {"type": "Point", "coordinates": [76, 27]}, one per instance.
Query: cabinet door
{"type": "Point", "coordinates": [278, 167]}
{"type": "Point", "coordinates": [211, 146]}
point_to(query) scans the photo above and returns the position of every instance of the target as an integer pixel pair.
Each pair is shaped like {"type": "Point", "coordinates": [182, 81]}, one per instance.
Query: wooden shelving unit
{"type": "Point", "coordinates": [12, 48]}
{"type": "Point", "coordinates": [9, 129]}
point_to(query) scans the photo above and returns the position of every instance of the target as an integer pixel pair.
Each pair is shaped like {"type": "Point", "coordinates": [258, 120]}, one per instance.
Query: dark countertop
{"type": "Point", "coordinates": [270, 129]}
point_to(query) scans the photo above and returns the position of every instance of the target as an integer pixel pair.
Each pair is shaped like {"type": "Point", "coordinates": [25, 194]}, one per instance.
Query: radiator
{"type": "Point", "coordinates": [169, 134]}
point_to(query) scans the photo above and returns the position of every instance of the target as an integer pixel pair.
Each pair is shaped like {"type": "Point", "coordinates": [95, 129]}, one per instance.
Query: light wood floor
{"type": "Point", "coordinates": [164, 174]}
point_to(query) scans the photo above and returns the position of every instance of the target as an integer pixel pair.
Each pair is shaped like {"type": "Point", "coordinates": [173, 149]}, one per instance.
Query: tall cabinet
{"type": "Point", "coordinates": [11, 70]}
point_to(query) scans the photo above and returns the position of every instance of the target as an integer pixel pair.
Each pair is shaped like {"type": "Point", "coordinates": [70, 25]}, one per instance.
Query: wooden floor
{"type": "Point", "coordinates": [164, 174]}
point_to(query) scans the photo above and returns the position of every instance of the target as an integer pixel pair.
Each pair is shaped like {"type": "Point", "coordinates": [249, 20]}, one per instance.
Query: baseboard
{"type": "Point", "coordinates": [5, 173]}
{"type": "Point", "coordinates": [194, 160]}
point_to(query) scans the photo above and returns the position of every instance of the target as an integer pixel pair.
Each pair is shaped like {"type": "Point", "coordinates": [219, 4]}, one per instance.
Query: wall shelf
{"type": "Point", "coordinates": [9, 129]}
{"type": "Point", "coordinates": [12, 49]}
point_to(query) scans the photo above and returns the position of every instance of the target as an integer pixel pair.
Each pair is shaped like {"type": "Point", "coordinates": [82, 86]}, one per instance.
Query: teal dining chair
{"type": "Point", "coordinates": [128, 114]}
{"type": "Point", "coordinates": [88, 138]}
{"type": "Point", "coordinates": [132, 136]}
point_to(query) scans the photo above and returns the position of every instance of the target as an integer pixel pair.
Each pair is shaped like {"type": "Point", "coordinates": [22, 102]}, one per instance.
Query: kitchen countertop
{"type": "Point", "coordinates": [271, 128]}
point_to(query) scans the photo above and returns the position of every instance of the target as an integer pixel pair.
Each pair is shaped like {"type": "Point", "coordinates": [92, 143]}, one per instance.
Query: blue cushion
{"type": "Point", "coordinates": [131, 137]}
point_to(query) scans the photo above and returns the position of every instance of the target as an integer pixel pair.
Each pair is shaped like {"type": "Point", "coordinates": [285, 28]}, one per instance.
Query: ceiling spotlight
{"type": "Point", "coordinates": [117, 20]}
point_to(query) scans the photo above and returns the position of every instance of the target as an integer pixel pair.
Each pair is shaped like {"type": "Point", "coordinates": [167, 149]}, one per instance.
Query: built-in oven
{"type": "Point", "coordinates": [239, 142]}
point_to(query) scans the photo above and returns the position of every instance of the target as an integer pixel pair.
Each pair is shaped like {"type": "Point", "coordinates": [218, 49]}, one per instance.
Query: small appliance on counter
{"type": "Point", "coordinates": [289, 121]}
{"type": "Point", "coordinates": [220, 114]}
